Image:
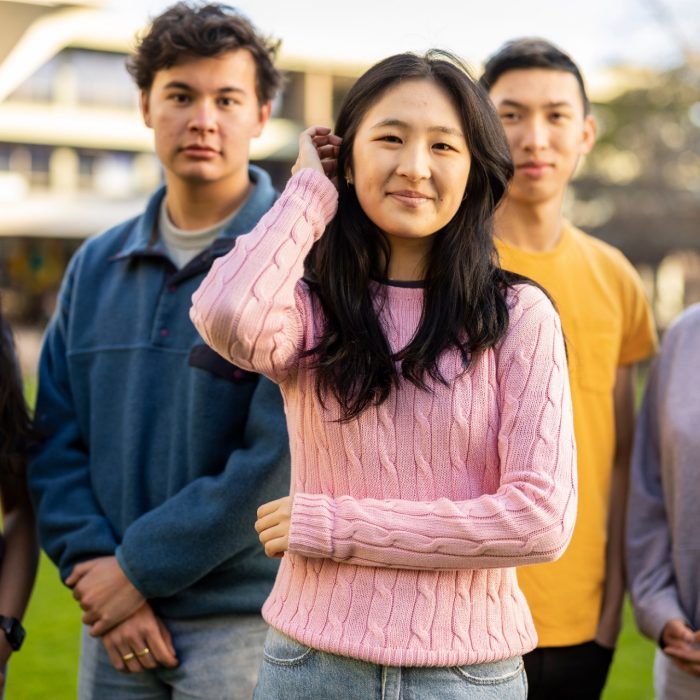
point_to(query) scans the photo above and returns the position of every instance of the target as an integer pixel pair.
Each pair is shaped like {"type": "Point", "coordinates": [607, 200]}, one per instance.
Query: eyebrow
{"type": "Point", "coordinates": [179, 85]}
{"type": "Point", "coordinates": [406, 125]}
{"type": "Point", "coordinates": [520, 105]}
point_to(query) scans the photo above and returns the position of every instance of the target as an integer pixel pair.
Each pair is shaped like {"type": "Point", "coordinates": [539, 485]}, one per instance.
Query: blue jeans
{"type": "Point", "coordinates": [219, 660]}
{"type": "Point", "coordinates": [292, 671]}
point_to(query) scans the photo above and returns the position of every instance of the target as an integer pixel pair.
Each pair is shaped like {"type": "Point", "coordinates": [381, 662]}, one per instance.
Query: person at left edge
{"type": "Point", "coordinates": [158, 451]}
{"type": "Point", "coordinates": [19, 548]}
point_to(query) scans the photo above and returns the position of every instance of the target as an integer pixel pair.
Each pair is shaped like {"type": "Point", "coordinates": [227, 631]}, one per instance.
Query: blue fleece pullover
{"type": "Point", "coordinates": [157, 450]}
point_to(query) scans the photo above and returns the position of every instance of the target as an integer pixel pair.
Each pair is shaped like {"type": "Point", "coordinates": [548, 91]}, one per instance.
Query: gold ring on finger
{"type": "Point", "coordinates": [145, 651]}
{"type": "Point", "coordinates": [129, 656]}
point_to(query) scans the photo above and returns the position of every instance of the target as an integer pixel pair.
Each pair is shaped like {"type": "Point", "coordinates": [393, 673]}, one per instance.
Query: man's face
{"type": "Point", "coordinates": [204, 112]}
{"type": "Point", "coordinates": [543, 116]}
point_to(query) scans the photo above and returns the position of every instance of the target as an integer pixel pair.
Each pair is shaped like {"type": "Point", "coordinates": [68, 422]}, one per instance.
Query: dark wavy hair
{"type": "Point", "coordinates": [194, 29]}
{"type": "Point", "coordinates": [465, 291]}
{"type": "Point", "coordinates": [15, 424]}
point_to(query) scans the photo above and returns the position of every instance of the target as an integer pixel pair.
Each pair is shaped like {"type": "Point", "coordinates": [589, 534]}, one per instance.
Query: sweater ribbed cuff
{"type": "Point", "coordinates": [653, 617]}
{"type": "Point", "coordinates": [317, 190]}
{"type": "Point", "coordinates": [311, 529]}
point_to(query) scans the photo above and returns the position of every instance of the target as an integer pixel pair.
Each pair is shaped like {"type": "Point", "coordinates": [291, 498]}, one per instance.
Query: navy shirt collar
{"type": "Point", "coordinates": [142, 239]}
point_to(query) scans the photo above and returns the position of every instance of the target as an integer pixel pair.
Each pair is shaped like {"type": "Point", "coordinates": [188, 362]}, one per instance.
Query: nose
{"type": "Point", "coordinates": [203, 117]}
{"type": "Point", "coordinates": [535, 135]}
{"type": "Point", "coordinates": [414, 162]}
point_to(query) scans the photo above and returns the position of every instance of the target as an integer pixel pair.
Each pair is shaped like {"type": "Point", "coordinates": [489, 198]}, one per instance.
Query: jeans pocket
{"type": "Point", "coordinates": [494, 673]}
{"type": "Point", "coordinates": [282, 650]}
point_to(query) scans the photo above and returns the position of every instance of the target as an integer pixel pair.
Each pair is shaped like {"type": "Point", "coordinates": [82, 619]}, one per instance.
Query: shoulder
{"type": "Point", "coordinates": [609, 267]}
{"type": "Point", "coordinates": [111, 240]}
{"type": "Point", "coordinates": [263, 196]}
{"type": "Point", "coordinates": [678, 354]}
{"type": "Point", "coordinates": [534, 332]}
{"type": "Point", "coordinates": [602, 252]}
{"type": "Point", "coordinates": [97, 252]}
{"type": "Point", "coordinates": [104, 246]}
{"type": "Point", "coordinates": [686, 326]}
{"type": "Point", "coordinates": [689, 319]}
{"type": "Point", "coordinates": [528, 305]}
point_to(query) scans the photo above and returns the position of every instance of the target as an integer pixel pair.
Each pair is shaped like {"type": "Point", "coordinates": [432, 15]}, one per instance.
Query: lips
{"type": "Point", "coordinates": [410, 198]}
{"type": "Point", "coordinates": [534, 168]}
{"type": "Point", "coordinates": [196, 150]}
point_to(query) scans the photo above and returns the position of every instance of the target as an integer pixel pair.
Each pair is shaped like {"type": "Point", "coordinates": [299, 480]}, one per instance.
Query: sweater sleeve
{"type": "Point", "coordinates": [246, 307]}
{"type": "Point", "coordinates": [528, 519]}
{"type": "Point", "coordinates": [649, 553]}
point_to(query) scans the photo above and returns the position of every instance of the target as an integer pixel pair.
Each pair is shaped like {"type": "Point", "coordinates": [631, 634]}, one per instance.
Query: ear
{"type": "Point", "coordinates": [145, 108]}
{"type": "Point", "coordinates": [263, 117]}
{"type": "Point", "coordinates": [589, 134]}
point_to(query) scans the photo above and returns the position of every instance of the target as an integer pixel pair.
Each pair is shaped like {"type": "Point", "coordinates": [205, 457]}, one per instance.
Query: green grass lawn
{"type": "Point", "coordinates": [46, 668]}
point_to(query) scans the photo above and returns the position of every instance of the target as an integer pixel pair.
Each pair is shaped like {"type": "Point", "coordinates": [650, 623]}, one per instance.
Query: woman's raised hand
{"type": "Point", "coordinates": [318, 149]}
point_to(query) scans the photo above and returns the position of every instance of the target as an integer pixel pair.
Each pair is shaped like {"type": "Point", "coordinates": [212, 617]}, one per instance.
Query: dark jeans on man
{"type": "Point", "coordinates": [567, 673]}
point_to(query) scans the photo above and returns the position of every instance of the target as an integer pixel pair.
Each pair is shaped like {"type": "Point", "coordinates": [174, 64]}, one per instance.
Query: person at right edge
{"type": "Point", "coordinates": [663, 557]}
{"type": "Point", "coordinates": [576, 601]}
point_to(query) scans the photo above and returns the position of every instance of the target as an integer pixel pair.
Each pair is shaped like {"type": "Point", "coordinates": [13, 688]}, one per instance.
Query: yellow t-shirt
{"type": "Point", "coordinates": [607, 323]}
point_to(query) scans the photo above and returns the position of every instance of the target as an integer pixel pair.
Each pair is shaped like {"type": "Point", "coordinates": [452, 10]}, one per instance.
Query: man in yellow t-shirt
{"type": "Point", "coordinates": [576, 601]}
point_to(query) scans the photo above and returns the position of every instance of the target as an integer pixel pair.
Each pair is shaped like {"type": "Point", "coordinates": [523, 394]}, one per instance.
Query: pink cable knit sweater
{"type": "Point", "coordinates": [408, 520]}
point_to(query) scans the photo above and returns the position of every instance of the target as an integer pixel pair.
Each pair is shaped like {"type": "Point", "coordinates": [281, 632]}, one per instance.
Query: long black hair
{"type": "Point", "coordinates": [15, 423]}
{"type": "Point", "coordinates": [464, 303]}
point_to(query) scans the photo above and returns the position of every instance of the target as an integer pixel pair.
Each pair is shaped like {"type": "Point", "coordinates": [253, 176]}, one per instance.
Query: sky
{"type": "Point", "coordinates": [597, 33]}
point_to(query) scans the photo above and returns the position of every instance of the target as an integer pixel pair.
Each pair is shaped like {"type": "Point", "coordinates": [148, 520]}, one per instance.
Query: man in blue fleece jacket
{"type": "Point", "coordinates": [157, 452]}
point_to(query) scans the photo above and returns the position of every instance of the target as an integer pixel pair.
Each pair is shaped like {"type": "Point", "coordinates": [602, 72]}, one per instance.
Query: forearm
{"type": "Point", "coordinates": [246, 308]}
{"type": "Point", "coordinates": [213, 516]}
{"type": "Point", "coordinates": [615, 574]}
{"type": "Point", "coordinates": [19, 563]}
{"type": "Point", "coordinates": [443, 534]}
{"type": "Point", "coordinates": [72, 527]}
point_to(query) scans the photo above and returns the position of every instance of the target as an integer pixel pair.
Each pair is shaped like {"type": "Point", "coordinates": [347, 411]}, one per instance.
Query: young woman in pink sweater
{"type": "Point", "coordinates": [426, 394]}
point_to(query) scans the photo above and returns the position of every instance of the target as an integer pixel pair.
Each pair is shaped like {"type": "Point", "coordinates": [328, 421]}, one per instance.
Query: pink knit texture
{"type": "Point", "coordinates": [408, 519]}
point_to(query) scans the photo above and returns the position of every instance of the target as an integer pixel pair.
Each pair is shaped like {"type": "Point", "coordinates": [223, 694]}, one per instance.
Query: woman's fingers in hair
{"type": "Point", "coordinates": [327, 146]}
{"type": "Point", "coordinates": [308, 155]}
{"type": "Point", "coordinates": [318, 149]}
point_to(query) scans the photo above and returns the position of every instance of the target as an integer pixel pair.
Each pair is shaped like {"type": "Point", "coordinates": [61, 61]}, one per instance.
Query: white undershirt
{"type": "Point", "coordinates": [182, 245]}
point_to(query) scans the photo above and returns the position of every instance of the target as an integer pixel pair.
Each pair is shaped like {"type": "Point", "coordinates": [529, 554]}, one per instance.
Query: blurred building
{"type": "Point", "coordinates": [75, 156]}
{"type": "Point", "coordinates": [639, 189]}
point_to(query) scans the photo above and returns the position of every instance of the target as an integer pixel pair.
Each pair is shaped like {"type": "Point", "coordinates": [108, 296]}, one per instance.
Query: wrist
{"type": "Point", "coordinates": [5, 651]}
{"type": "Point", "coordinates": [13, 632]}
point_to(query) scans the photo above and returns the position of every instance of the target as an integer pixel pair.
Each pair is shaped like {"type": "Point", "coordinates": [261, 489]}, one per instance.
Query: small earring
{"type": "Point", "coordinates": [348, 179]}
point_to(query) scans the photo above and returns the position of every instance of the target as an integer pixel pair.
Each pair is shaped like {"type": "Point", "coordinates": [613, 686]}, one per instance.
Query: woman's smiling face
{"type": "Point", "coordinates": [410, 160]}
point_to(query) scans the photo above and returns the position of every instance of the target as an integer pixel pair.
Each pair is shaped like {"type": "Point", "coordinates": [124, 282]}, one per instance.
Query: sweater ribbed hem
{"type": "Point", "coordinates": [387, 656]}
{"type": "Point", "coordinates": [401, 617]}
